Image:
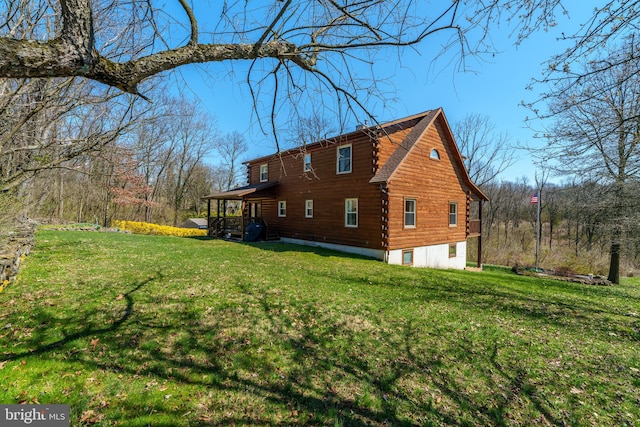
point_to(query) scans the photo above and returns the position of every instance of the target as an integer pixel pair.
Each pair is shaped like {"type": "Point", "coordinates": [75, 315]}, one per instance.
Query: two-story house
{"type": "Point", "coordinates": [398, 192]}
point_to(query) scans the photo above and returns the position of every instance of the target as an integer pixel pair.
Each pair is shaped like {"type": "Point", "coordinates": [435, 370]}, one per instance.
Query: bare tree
{"type": "Point", "coordinates": [49, 121]}
{"type": "Point", "coordinates": [596, 133]}
{"type": "Point", "coordinates": [487, 153]}
{"type": "Point", "coordinates": [608, 25]}
{"type": "Point", "coordinates": [192, 138]}
{"type": "Point", "coordinates": [303, 48]}
{"type": "Point", "coordinates": [230, 147]}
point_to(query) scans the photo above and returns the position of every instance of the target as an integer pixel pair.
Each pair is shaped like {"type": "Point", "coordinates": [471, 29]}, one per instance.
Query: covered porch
{"type": "Point", "coordinates": [237, 214]}
{"type": "Point", "coordinates": [474, 225]}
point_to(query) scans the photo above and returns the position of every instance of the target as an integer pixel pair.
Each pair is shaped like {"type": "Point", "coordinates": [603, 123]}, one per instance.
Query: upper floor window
{"type": "Point", "coordinates": [434, 154]}
{"type": "Point", "coordinates": [307, 163]}
{"type": "Point", "coordinates": [409, 213]}
{"type": "Point", "coordinates": [453, 213]}
{"type": "Point", "coordinates": [308, 208]}
{"type": "Point", "coordinates": [351, 213]}
{"type": "Point", "coordinates": [264, 173]}
{"type": "Point", "coordinates": [344, 159]}
{"type": "Point", "coordinates": [282, 208]}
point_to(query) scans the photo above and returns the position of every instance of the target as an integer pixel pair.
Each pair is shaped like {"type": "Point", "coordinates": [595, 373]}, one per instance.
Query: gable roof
{"type": "Point", "coordinates": [238, 193]}
{"type": "Point", "coordinates": [195, 222]}
{"type": "Point", "coordinates": [386, 127]}
{"type": "Point", "coordinates": [402, 151]}
{"type": "Point", "coordinates": [393, 163]}
{"type": "Point", "coordinates": [419, 124]}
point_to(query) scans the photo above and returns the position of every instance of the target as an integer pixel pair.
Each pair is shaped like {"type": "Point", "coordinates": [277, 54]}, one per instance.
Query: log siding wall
{"type": "Point", "coordinates": [328, 190]}
{"type": "Point", "coordinates": [434, 184]}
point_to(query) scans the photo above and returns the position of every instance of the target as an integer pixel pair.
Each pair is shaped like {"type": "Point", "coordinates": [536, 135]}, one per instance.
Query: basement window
{"type": "Point", "coordinates": [407, 257]}
{"type": "Point", "coordinates": [453, 249]}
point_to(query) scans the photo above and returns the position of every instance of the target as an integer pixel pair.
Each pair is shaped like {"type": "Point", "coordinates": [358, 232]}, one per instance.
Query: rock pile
{"type": "Point", "coordinates": [14, 246]}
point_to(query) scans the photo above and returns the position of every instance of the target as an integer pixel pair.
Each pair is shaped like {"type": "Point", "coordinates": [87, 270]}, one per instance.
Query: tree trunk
{"type": "Point", "coordinates": [614, 264]}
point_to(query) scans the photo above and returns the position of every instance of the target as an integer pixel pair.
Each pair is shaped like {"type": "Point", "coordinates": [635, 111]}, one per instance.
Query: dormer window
{"type": "Point", "coordinates": [264, 173]}
{"type": "Point", "coordinates": [307, 163]}
{"type": "Point", "coordinates": [434, 155]}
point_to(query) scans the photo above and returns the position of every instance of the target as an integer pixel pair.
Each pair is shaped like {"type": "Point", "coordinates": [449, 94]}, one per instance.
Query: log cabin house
{"type": "Point", "coordinates": [398, 191]}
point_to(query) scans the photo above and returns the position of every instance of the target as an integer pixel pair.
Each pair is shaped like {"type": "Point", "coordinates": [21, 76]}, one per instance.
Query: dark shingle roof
{"type": "Point", "coordinates": [393, 163]}
{"type": "Point", "coordinates": [395, 160]}
{"type": "Point", "coordinates": [238, 193]}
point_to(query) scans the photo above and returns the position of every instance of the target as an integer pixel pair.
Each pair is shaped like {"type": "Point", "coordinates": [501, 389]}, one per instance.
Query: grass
{"type": "Point", "coordinates": [148, 330]}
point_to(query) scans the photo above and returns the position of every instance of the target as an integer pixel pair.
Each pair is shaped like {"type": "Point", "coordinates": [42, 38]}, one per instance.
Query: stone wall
{"type": "Point", "coordinates": [14, 246]}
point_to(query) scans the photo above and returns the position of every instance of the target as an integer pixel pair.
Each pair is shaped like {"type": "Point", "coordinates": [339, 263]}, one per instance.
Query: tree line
{"type": "Point", "coordinates": [575, 226]}
{"type": "Point", "coordinates": [75, 152]}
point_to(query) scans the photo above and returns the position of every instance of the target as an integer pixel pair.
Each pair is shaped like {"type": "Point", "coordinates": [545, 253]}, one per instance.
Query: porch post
{"type": "Point", "coordinates": [480, 236]}
{"type": "Point", "coordinates": [218, 220]}
{"type": "Point", "coordinates": [209, 217]}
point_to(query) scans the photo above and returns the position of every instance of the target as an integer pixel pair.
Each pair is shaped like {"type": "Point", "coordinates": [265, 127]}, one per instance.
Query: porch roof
{"type": "Point", "coordinates": [240, 192]}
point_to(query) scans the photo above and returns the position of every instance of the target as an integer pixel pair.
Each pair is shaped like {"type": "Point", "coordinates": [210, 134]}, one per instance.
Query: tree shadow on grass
{"type": "Point", "coordinates": [46, 320]}
{"type": "Point", "coordinates": [306, 367]}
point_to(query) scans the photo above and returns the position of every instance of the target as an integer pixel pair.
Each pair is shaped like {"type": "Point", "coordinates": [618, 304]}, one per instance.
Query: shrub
{"type": "Point", "coordinates": [158, 230]}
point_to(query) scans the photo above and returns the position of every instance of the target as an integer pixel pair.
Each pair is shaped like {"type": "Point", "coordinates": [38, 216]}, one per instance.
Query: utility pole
{"type": "Point", "coordinates": [536, 199]}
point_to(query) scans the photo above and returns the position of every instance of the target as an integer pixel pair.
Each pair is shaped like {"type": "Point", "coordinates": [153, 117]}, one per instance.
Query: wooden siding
{"type": "Point", "coordinates": [433, 184]}
{"type": "Point", "coordinates": [328, 190]}
{"type": "Point", "coordinates": [390, 140]}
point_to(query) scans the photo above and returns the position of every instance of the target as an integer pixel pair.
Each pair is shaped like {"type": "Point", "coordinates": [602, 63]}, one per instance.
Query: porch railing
{"type": "Point", "coordinates": [220, 227]}
{"type": "Point", "coordinates": [474, 226]}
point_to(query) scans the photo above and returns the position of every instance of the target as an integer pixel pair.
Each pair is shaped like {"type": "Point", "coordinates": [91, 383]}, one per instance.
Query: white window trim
{"type": "Point", "coordinates": [456, 205]}
{"type": "Point", "coordinates": [346, 213]}
{"type": "Point", "coordinates": [415, 212]}
{"type": "Point", "coordinates": [282, 208]}
{"type": "Point", "coordinates": [306, 167]}
{"type": "Point", "coordinates": [308, 208]}
{"type": "Point", "coordinates": [338, 172]}
{"type": "Point", "coordinates": [266, 167]}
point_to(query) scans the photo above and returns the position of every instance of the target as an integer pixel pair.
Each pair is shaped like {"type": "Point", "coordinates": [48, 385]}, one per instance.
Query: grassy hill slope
{"type": "Point", "coordinates": [145, 330]}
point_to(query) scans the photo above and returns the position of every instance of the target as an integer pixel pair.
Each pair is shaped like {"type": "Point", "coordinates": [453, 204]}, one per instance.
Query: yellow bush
{"type": "Point", "coordinates": [158, 230]}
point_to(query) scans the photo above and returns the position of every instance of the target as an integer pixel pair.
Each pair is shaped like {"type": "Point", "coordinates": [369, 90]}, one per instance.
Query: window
{"type": "Point", "coordinates": [434, 154]}
{"type": "Point", "coordinates": [344, 159]}
{"type": "Point", "coordinates": [453, 213]}
{"type": "Point", "coordinates": [351, 213]}
{"type": "Point", "coordinates": [264, 173]}
{"type": "Point", "coordinates": [307, 163]}
{"type": "Point", "coordinates": [452, 250]}
{"type": "Point", "coordinates": [308, 208]}
{"type": "Point", "coordinates": [409, 213]}
{"type": "Point", "coordinates": [407, 257]}
{"type": "Point", "coordinates": [282, 208]}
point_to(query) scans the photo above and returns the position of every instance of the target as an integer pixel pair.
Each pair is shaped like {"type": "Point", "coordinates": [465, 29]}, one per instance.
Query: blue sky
{"type": "Point", "coordinates": [494, 87]}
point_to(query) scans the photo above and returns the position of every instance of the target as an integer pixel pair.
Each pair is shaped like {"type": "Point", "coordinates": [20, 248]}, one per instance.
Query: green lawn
{"type": "Point", "coordinates": [142, 330]}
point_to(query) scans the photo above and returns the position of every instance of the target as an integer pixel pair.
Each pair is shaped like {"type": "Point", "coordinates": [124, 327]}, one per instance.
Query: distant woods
{"type": "Point", "coordinates": [72, 151]}
{"type": "Point", "coordinates": [575, 223]}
